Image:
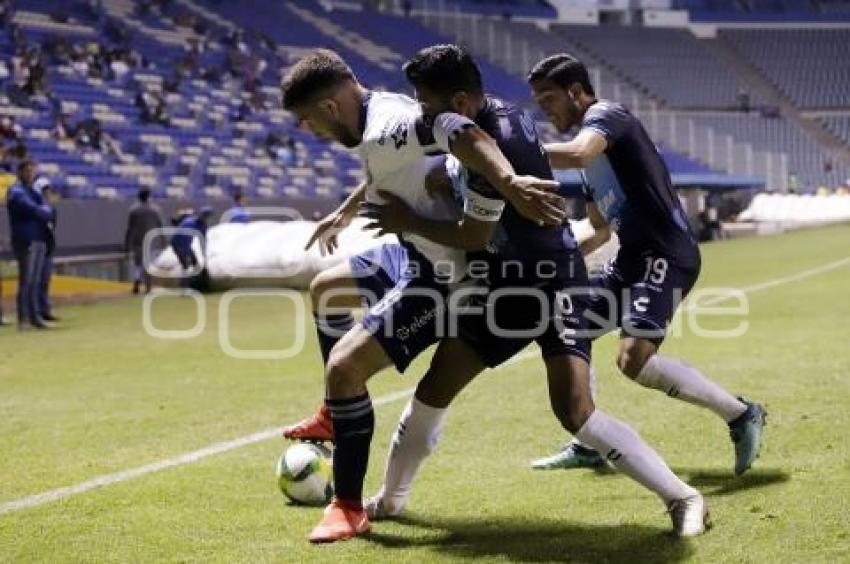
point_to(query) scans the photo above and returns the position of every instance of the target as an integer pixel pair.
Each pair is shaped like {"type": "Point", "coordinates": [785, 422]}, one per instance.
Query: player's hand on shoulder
{"type": "Point", "coordinates": [393, 216]}
{"type": "Point", "coordinates": [536, 199]}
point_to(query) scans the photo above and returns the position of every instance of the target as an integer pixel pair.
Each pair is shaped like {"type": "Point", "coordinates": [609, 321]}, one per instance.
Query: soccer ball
{"type": "Point", "coordinates": [305, 474]}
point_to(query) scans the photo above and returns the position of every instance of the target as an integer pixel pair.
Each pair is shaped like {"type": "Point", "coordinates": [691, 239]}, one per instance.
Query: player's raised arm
{"type": "Point", "coordinates": [534, 198]}
{"type": "Point", "coordinates": [579, 152]}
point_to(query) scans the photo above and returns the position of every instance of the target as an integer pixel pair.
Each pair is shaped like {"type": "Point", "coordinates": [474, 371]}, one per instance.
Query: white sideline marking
{"type": "Point", "coordinates": [784, 280]}
{"type": "Point", "coordinates": [224, 446]}
{"type": "Point", "coordinates": [189, 457]}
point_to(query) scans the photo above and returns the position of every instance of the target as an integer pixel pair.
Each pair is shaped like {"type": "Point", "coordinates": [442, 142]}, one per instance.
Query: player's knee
{"type": "Point", "coordinates": [630, 361]}
{"type": "Point", "coordinates": [317, 287]}
{"type": "Point", "coordinates": [429, 392]}
{"type": "Point", "coordinates": [574, 414]}
{"type": "Point", "coordinates": [342, 373]}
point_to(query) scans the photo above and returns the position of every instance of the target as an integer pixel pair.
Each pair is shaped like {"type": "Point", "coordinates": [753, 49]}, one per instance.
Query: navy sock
{"type": "Point", "coordinates": [354, 422]}
{"type": "Point", "coordinates": [330, 329]}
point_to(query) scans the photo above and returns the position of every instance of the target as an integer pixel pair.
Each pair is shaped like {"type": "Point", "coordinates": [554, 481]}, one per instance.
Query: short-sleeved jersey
{"type": "Point", "coordinates": [516, 135]}
{"type": "Point", "coordinates": [399, 149]}
{"type": "Point", "coordinates": [631, 186]}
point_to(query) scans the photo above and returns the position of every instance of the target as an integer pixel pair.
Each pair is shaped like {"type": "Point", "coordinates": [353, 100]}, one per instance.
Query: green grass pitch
{"type": "Point", "coordinates": [99, 396]}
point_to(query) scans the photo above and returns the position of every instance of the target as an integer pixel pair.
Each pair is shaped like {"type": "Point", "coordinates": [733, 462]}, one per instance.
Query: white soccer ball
{"type": "Point", "coordinates": [305, 474]}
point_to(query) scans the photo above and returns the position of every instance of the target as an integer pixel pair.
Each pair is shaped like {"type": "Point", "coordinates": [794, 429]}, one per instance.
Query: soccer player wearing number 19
{"type": "Point", "coordinates": [628, 188]}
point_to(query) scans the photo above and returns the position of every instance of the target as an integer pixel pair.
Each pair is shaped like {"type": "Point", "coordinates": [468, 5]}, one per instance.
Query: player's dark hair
{"type": "Point", "coordinates": [445, 70]}
{"type": "Point", "coordinates": [144, 195]}
{"type": "Point", "coordinates": [313, 74]}
{"type": "Point", "coordinates": [563, 70]}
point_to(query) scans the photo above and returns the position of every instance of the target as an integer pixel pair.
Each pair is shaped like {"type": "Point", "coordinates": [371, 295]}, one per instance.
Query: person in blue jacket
{"type": "Point", "coordinates": [181, 242]}
{"type": "Point", "coordinates": [29, 222]}
{"type": "Point", "coordinates": [238, 213]}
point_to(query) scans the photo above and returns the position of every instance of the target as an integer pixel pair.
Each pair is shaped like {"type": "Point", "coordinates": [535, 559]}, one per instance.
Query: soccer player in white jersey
{"type": "Point", "coordinates": [392, 137]}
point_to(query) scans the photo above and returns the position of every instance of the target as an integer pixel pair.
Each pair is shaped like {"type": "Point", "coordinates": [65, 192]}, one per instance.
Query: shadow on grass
{"type": "Point", "coordinates": [723, 482]}
{"type": "Point", "coordinates": [536, 539]}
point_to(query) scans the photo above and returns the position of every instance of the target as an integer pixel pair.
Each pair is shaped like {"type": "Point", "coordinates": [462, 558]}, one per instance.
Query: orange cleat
{"type": "Point", "coordinates": [340, 523]}
{"type": "Point", "coordinates": [317, 427]}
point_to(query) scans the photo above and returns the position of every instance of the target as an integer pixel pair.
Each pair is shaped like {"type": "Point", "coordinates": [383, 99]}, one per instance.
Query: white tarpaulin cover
{"type": "Point", "coordinates": [271, 253]}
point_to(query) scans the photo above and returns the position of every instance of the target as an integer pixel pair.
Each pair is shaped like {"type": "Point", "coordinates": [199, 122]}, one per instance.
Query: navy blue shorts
{"type": "Point", "coordinates": [409, 315]}
{"type": "Point", "coordinates": [546, 307]}
{"type": "Point", "coordinates": [639, 293]}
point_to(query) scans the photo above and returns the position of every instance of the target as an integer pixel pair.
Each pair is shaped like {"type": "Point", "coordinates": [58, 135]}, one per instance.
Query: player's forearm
{"type": "Point", "coordinates": [480, 153]}
{"type": "Point", "coordinates": [565, 155]}
{"type": "Point", "coordinates": [352, 203]}
{"type": "Point", "coordinates": [589, 244]}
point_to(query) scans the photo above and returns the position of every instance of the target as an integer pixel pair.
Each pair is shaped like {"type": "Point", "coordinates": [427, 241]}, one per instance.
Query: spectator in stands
{"type": "Point", "coordinates": [49, 196]}
{"type": "Point", "coordinates": [238, 213]}
{"type": "Point", "coordinates": [5, 161]}
{"type": "Point", "coordinates": [5, 13]}
{"type": "Point", "coordinates": [16, 153]}
{"type": "Point", "coordinates": [10, 129]}
{"type": "Point", "coordinates": [118, 66]}
{"type": "Point", "coordinates": [117, 32]}
{"type": "Point", "coordinates": [28, 221]}
{"type": "Point", "coordinates": [36, 82]}
{"type": "Point", "coordinates": [240, 111]}
{"type": "Point", "coordinates": [143, 218]}
{"type": "Point", "coordinates": [79, 62]}
{"type": "Point", "coordinates": [152, 107]}
{"type": "Point", "coordinates": [89, 133]}
{"type": "Point", "coordinates": [281, 148]}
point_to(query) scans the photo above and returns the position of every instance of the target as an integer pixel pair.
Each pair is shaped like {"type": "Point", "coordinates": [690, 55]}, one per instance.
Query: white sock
{"type": "Point", "coordinates": [417, 434]}
{"type": "Point", "coordinates": [681, 380]}
{"type": "Point", "coordinates": [593, 386]}
{"type": "Point", "coordinates": [626, 450]}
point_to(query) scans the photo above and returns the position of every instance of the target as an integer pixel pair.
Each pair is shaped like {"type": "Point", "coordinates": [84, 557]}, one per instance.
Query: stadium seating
{"type": "Point", "coordinates": [809, 66]}
{"type": "Point", "coordinates": [204, 153]}
{"type": "Point", "coordinates": [497, 8]}
{"type": "Point", "coordinates": [212, 148]}
{"type": "Point", "coordinates": [670, 64]}
{"type": "Point", "coordinates": [806, 160]}
{"type": "Point", "coordinates": [839, 126]}
{"type": "Point", "coordinates": [765, 10]}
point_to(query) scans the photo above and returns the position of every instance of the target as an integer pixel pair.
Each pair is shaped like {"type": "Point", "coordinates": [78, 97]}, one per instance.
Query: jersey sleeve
{"type": "Point", "coordinates": [610, 121]}
{"type": "Point", "coordinates": [447, 127]}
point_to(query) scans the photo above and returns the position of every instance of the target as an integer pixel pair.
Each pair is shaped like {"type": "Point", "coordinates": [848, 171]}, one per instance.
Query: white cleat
{"type": "Point", "coordinates": [377, 508]}
{"type": "Point", "coordinates": [689, 515]}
